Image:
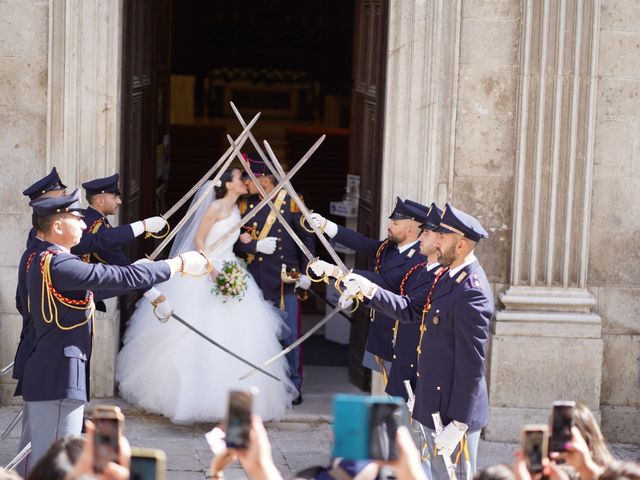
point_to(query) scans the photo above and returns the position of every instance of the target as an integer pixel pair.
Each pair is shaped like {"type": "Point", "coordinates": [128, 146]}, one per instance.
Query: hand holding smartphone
{"type": "Point", "coordinates": [561, 424]}
{"type": "Point", "coordinates": [534, 440]}
{"type": "Point", "coordinates": [238, 421]}
{"type": "Point", "coordinates": [109, 424]}
{"type": "Point", "coordinates": [147, 464]}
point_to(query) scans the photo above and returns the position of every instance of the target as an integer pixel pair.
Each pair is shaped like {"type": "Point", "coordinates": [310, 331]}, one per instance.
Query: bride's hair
{"type": "Point", "coordinates": [227, 176]}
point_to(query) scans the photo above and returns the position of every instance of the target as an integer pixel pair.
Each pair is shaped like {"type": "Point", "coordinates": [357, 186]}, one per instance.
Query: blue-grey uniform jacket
{"type": "Point", "coordinates": [266, 268]}
{"type": "Point", "coordinates": [58, 366]}
{"type": "Point", "coordinates": [391, 268]}
{"type": "Point", "coordinates": [451, 366]}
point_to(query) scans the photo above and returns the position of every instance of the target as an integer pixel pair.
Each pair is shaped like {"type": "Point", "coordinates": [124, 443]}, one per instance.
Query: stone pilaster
{"type": "Point", "coordinates": [546, 329]}
{"type": "Point", "coordinates": [421, 97]}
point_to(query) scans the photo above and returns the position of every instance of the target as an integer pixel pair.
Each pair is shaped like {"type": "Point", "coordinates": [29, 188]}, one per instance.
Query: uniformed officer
{"type": "Point", "coordinates": [55, 384]}
{"type": "Point", "coordinates": [49, 186]}
{"type": "Point", "coordinates": [270, 248]}
{"type": "Point", "coordinates": [451, 362]}
{"type": "Point", "coordinates": [100, 241]}
{"type": "Point", "coordinates": [393, 257]}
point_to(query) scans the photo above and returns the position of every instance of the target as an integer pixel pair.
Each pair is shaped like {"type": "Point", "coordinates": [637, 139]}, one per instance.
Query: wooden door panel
{"type": "Point", "coordinates": [367, 103]}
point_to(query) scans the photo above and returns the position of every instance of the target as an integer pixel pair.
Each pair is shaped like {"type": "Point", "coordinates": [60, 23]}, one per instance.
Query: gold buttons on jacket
{"type": "Point", "coordinates": [438, 388]}
{"type": "Point", "coordinates": [260, 259]}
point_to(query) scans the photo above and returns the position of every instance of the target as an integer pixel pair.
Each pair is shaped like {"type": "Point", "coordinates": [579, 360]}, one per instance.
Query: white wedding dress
{"type": "Point", "coordinates": [168, 369]}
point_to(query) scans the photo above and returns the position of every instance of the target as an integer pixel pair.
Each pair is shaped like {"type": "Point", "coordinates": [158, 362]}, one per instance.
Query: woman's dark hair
{"type": "Point", "coordinates": [227, 176]}
{"type": "Point", "coordinates": [498, 471]}
{"type": "Point", "coordinates": [59, 459]}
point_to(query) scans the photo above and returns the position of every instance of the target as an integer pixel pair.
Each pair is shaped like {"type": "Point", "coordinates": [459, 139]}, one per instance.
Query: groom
{"type": "Point", "coordinates": [270, 249]}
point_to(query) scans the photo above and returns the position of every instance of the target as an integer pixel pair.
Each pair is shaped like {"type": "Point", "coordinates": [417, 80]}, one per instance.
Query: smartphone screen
{"type": "Point", "coordinates": [143, 468]}
{"type": "Point", "coordinates": [385, 418]}
{"type": "Point", "coordinates": [238, 421]}
{"type": "Point", "coordinates": [106, 442]}
{"type": "Point", "coordinates": [534, 447]}
{"type": "Point", "coordinates": [561, 423]}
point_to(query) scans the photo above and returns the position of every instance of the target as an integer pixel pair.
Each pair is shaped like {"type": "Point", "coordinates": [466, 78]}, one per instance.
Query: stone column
{"type": "Point", "coordinates": [83, 138]}
{"type": "Point", "coordinates": [547, 343]}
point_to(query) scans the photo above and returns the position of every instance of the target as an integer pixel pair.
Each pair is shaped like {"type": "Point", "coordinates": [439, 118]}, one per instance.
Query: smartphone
{"type": "Point", "coordinates": [534, 440]}
{"type": "Point", "coordinates": [238, 421]}
{"type": "Point", "coordinates": [147, 464]}
{"type": "Point", "coordinates": [109, 422]}
{"type": "Point", "coordinates": [365, 426]}
{"type": "Point", "coordinates": [561, 424]}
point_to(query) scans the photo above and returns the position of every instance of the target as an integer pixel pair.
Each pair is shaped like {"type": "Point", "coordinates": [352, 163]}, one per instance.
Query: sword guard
{"type": "Point", "coordinates": [306, 226]}
{"type": "Point", "coordinates": [159, 236]}
{"type": "Point", "coordinates": [312, 277]}
{"type": "Point", "coordinates": [160, 319]}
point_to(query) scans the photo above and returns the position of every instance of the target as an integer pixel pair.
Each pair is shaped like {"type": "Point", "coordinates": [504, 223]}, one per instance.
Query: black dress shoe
{"type": "Point", "coordinates": [297, 400]}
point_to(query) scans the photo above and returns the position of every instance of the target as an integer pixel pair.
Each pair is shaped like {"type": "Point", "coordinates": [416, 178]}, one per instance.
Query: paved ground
{"type": "Point", "coordinates": [302, 440]}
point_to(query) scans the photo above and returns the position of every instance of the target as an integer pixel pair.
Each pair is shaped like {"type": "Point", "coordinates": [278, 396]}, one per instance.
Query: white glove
{"type": "Point", "coordinates": [345, 303]}
{"type": "Point", "coordinates": [154, 224]}
{"type": "Point", "coordinates": [303, 282]}
{"type": "Point", "coordinates": [153, 293]}
{"type": "Point", "coordinates": [330, 228]}
{"type": "Point", "coordinates": [449, 438]}
{"type": "Point", "coordinates": [194, 263]}
{"type": "Point", "coordinates": [355, 283]}
{"type": "Point", "coordinates": [320, 268]}
{"type": "Point", "coordinates": [164, 309]}
{"type": "Point", "coordinates": [266, 245]}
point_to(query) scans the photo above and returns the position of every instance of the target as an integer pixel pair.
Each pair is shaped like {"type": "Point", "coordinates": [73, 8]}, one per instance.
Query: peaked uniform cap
{"type": "Point", "coordinates": [103, 185]}
{"type": "Point", "coordinates": [419, 209]}
{"type": "Point", "coordinates": [257, 166]}
{"type": "Point", "coordinates": [402, 211]}
{"type": "Point", "coordinates": [432, 220]}
{"type": "Point", "coordinates": [43, 207]}
{"type": "Point", "coordinates": [457, 221]}
{"type": "Point", "coordinates": [50, 182]}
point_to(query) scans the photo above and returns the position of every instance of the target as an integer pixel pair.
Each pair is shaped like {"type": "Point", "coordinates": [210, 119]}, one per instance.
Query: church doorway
{"type": "Point", "coordinates": [311, 68]}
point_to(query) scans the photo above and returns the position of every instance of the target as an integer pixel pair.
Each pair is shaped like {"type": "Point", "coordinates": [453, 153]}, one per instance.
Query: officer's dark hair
{"type": "Point", "coordinates": [45, 223]}
{"type": "Point", "coordinates": [227, 176]}
{"type": "Point", "coordinates": [271, 178]}
{"type": "Point", "coordinates": [59, 459]}
{"type": "Point", "coordinates": [90, 198]}
{"type": "Point", "coordinates": [34, 221]}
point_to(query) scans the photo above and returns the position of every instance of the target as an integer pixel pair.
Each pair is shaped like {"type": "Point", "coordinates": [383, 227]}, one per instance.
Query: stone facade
{"type": "Point", "coordinates": [523, 112]}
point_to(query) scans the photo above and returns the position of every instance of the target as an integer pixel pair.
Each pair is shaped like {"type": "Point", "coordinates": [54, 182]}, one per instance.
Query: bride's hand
{"type": "Point", "coordinates": [214, 274]}
{"type": "Point", "coordinates": [245, 238]}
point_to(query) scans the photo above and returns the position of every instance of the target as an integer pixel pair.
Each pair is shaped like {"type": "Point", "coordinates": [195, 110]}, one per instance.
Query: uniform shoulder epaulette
{"type": "Point", "coordinates": [474, 281]}
{"type": "Point", "coordinates": [293, 206]}
{"type": "Point", "coordinates": [461, 277]}
{"type": "Point", "coordinates": [242, 205]}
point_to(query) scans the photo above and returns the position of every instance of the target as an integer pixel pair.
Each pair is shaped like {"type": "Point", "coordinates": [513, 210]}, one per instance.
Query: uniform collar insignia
{"type": "Point", "coordinates": [411, 252]}
{"type": "Point", "coordinates": [461, 277]}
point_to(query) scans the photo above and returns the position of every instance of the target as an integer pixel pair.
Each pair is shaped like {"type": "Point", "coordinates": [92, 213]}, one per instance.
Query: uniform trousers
{"type": "Point", "coordinates": [291, 317]}
{"type": "Point", "coordinates": [25, 437]}
{"type": "Point", "coordinates": [434, 466]}
{"type": "Point", "coordinates": [50, 420]}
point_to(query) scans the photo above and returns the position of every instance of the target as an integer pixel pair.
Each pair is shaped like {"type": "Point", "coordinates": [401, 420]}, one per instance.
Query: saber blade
{"type": "Point", "coordinates": [13, 424]}
{"type": "Point", "coordinates": [224, 349]}
{"type": "Point", "coordinates": [19, 457]}
{"type": "Point", "coordinates": [7, 369]}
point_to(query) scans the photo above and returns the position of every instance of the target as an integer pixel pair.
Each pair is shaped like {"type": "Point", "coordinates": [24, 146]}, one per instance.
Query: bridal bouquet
{"type": "Point", "coordinates": [231, 282]}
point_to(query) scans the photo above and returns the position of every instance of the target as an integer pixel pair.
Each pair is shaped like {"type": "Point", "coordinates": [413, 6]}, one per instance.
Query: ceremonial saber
{"type": "Point", "coordinates": [195, 206]}
{"type": "Point", "coordinates": [13, 424]}
{"type": "Point", "coordinates": [285, 224]}
{"type": "Point", "coordinates": [194, 189]}
{"type": "Point", "coordinates": [311, 331]}
{"type": "Point", "coordinates": [224, 349]}
{"type": "Point", "coordinates": [7, 369]}
{"type": "Point", "coordinates": [278, 172]}
{"type": "Point", "coordinates": [253, 212]}
{"type": "Point", "coordinates": [19, 457]}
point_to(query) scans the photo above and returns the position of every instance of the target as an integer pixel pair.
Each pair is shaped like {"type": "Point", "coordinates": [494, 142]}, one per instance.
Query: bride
{"type": "Point", "coordinates": [166, 368]}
